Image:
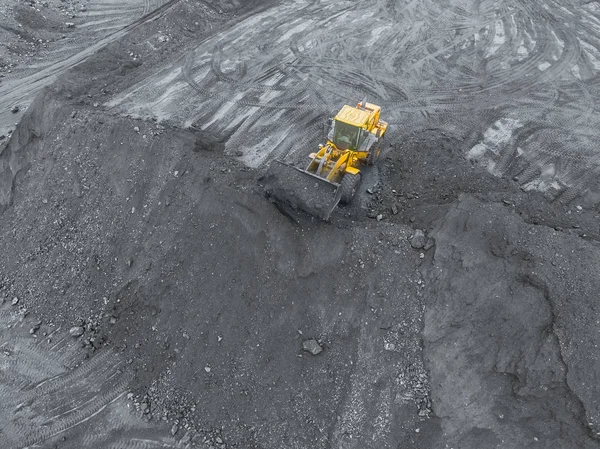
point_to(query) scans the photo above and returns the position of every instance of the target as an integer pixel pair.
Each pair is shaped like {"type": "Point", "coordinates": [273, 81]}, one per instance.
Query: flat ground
{"type": "Point", "coordinates": [134, 140]}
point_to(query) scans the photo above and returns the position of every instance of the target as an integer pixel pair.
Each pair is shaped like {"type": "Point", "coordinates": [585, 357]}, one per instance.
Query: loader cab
{"type": "Point", "coordinates": [346, 136]}
{"type": "Point", "coordinates": [349, 128]}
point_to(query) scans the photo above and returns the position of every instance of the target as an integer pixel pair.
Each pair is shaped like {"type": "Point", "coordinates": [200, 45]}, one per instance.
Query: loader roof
{"type": "Point", "coordinates": [356, 116]}
{"type": "Point", "coordinates": [353, 116]}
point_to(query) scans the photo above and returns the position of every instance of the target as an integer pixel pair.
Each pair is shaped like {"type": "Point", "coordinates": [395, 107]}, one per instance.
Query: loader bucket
{"type": "Point", "coordinates": [301, 190]}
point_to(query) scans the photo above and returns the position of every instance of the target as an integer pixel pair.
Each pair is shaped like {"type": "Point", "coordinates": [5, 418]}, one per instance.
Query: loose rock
{"type": "Point", "coordinates": [76, 331]}
{"type": "Point", "coordinates": [418, 239]}
{"type": "Point", "coordinates": [186, 438]}
{"type": "Point", "coordinates": [15, 109]}
{"type": "Point", "coordinates": [430, 243]}
{"type": "Point", "coordinates": [15, 301]}
{"type": "Point", "coordinates": [312, 346]}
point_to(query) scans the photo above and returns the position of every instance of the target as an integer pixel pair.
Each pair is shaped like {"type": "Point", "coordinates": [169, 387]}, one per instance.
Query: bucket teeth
{"type": "Point", "coordinates": [301, 190]}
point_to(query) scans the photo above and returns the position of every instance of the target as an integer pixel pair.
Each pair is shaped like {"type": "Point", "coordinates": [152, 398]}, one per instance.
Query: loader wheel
{"type": "Point", "coordinates": [349, 186]}
{"type": "Point", "coordinates": [373, 156]}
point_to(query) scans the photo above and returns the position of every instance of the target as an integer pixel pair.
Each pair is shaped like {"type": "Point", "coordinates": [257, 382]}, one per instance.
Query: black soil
{"type": "Point", "coordinates": [446, 307]}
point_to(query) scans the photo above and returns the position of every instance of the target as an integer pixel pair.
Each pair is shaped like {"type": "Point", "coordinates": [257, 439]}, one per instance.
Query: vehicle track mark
{"type": "Point", "coordinates": [531, 60]}
{"type": "Point", "coordinates": [26, 82]}
{"type": "Point", "coordinates": [43, 397]}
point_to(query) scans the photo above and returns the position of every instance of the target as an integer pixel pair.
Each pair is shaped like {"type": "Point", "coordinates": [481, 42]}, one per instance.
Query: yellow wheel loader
{"type": "Point", "coordinates": [355, 138]}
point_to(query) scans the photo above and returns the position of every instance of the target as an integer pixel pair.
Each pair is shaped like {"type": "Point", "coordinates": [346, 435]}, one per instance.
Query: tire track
{"type": "Point", "coordinates": [24, 86]}
{"type": "Point", "coordinates": [63, 401]}
{"type": "Point", "coordinates": [60, 382]}
{"type": "Point", "coordinates": [186, 72]}
{"type": "Point", "coordinates": [79, 417]}
{"type": "Point", "coordinates": [427, 61]}
{"type": "Point", "coordinates": [142, 444]}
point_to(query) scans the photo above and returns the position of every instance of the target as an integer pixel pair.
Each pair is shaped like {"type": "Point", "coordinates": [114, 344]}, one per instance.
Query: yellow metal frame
{"type": "Point", "coordinates": [329, 162]}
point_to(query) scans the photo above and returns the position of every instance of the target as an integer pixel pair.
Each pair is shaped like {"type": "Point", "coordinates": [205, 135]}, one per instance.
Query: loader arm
{"type": "Point", "coordinates": [338, 169]}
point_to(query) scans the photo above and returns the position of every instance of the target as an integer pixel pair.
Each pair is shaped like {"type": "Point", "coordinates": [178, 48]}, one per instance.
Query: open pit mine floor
{"type": "Point", "coordinates": [152, 296]}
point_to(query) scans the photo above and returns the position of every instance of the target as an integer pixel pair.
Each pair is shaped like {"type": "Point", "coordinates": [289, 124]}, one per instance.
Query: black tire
{"type": "Point", "coordinates": [349, 187]}
{"type": "Point", "coordinates": [373, 156]}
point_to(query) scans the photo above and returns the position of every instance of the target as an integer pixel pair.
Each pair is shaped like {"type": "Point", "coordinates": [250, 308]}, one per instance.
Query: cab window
{"type": "Point", "coordinates": [346, 136]}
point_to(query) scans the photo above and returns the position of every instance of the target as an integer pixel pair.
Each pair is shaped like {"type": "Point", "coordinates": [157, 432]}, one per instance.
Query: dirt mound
{"type": "Point", "coordinates": [509, 330]}
{"type": "Point", "coordinates": [188, 271]}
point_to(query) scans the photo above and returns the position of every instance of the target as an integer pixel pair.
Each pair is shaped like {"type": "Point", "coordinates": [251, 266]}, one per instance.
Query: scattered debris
{"type": "Point", "coordinates": [36, 327]}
